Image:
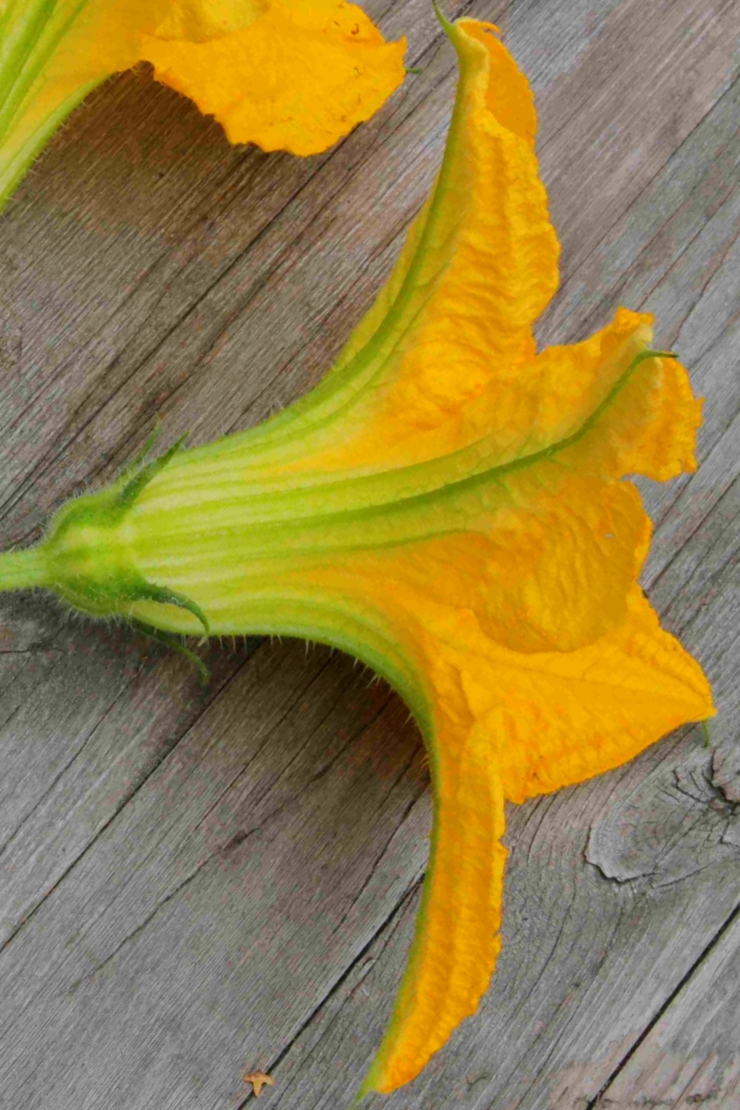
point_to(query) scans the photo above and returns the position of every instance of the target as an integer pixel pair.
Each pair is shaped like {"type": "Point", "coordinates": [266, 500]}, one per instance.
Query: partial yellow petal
{"type": "Point", "coordinates": [298, 78]}
{"type": "Point", "coordinates": [296, 74]}
{"type": "Point", "coordinates": [549, 574]}
{"type": "Point", "coordinates": [523, 409]}
{"type": "Point", "coordinates": [664, 446]}
{"type": "Point", "coordinates": [53, 55]}
{"type": "Point", "coordinates": [69, 43]}
{"type": "Point", "coordinates": [551, 717]}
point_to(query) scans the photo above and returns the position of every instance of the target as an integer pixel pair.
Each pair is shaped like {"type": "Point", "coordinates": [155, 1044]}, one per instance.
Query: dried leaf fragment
{"type": "Point", "coordinates": [259, 1079]}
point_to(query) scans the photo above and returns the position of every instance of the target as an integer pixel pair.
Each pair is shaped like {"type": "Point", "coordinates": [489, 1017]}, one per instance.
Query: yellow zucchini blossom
{"type": "Point", "coordinates": [450, 506]}
{"type": "Point", "coordinates": [285, 74]}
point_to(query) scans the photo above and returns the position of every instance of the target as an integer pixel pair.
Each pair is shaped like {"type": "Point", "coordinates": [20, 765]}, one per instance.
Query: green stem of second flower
{"type": "Point", "coordinates": [31, 109]}
{"type": "Point", "coordinates": [17, 157]}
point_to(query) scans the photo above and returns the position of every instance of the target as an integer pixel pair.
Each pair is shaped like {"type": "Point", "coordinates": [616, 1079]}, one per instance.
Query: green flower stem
{"type": "Point", "coordinates": [23, 569]}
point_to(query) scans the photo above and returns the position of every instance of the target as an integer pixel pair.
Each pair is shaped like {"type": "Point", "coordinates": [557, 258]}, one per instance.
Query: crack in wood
{"type": "Point", "coordinates": [384, 932]}
{"type": "Point", "coordinates": [595, 1104]}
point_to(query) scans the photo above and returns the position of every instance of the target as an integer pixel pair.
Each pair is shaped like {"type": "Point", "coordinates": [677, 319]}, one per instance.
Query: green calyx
{"type": "Point", "coordinates": [87, 557]}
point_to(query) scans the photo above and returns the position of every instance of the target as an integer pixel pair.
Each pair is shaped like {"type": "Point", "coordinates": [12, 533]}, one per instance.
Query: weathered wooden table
{"type": "Point", "coordinates": [196, 883]}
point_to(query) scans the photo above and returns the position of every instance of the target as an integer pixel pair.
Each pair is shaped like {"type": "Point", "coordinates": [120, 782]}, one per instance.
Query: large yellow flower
{"type": "Point", "coordinates": [450, 506]}
{"type": "Point", "coordinates": [285, 74]}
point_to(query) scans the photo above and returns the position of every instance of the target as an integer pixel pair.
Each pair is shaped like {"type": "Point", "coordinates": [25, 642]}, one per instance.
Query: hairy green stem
{"type": "Point", "coordinates": [23, 569]}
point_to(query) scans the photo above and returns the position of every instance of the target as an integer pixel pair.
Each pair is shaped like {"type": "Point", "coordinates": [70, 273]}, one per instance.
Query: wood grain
{"type": "Point", "coordinates": [199, 883]}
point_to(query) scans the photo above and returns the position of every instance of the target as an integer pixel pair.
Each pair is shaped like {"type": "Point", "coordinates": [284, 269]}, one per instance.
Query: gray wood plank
{"type": "Point", "coordinates": [181, 895]}
{"type": "Point", "coordinates": [194, 883]}
{"type": "Point", "coordinates": [690, 1057]}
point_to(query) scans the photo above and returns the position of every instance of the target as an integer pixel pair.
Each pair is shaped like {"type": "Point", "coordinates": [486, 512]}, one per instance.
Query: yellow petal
{"type": "Point", "coordinates": [298, 78]}
{"type": "Point", "coordinates": [456, 942]}
{"type": "Point", "coordinates": [554, 719]}
{"type": "Point", "coordinates": [200, 20]}
{"type": "Point", "coordinates": [510, 100]}
{"type": "Point", "coordinates": [508, 95]}
{"type": "Point", "coordinates": [540, 722]}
